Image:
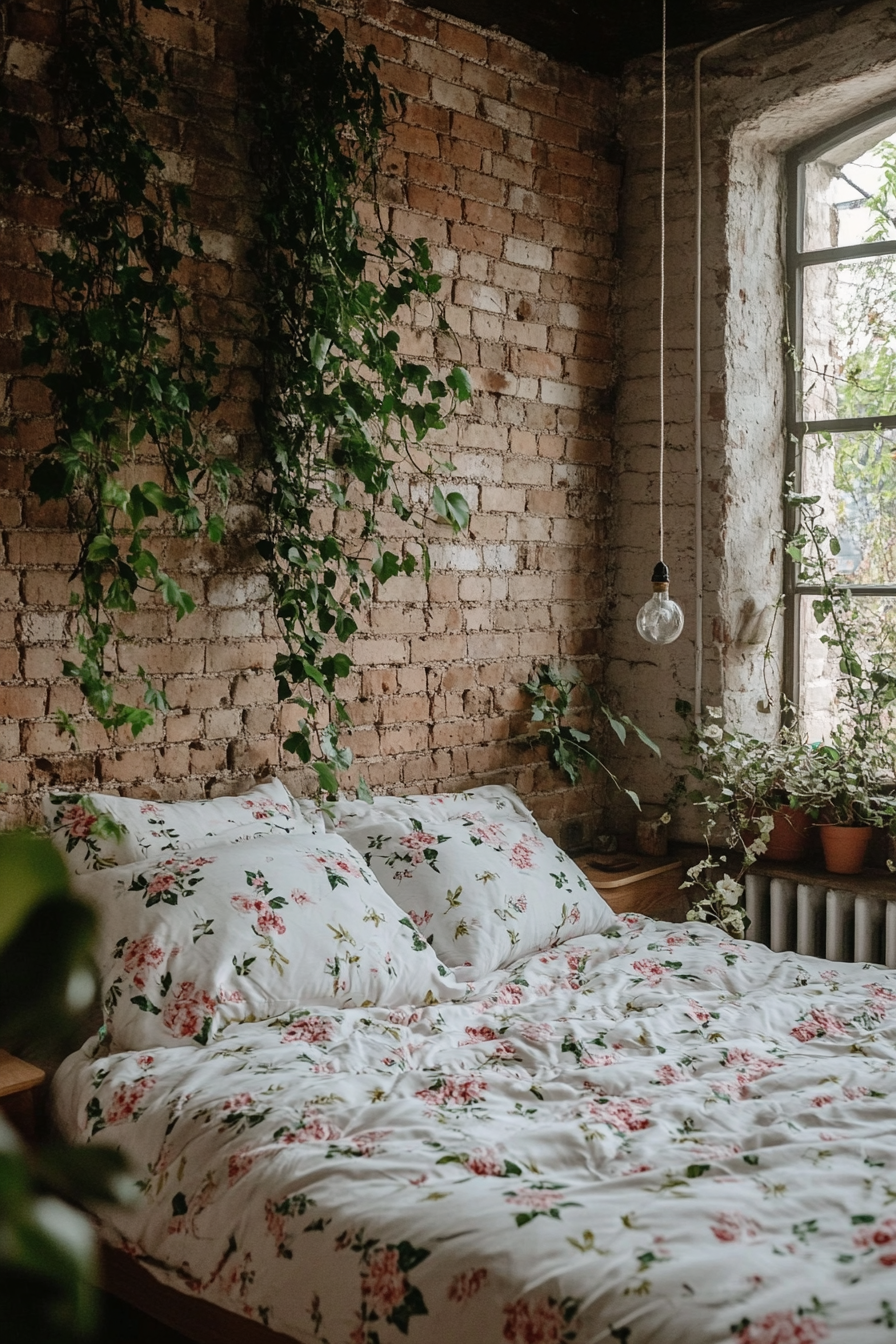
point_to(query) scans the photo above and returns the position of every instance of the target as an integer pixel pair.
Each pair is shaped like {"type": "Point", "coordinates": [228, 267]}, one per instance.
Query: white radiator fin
{"type": "Point", "coordinates": [821, 921]}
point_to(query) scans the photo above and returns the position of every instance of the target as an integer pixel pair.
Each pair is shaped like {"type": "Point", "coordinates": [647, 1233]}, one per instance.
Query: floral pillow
{"type": "Point", "coordinates": [493, 802]}
{"type": "Point", "coordinates": [235, 933]}
{"type": "Point", "coordinates": [483, 892]}
{"type": "Point", "coordinates": [97, 830]}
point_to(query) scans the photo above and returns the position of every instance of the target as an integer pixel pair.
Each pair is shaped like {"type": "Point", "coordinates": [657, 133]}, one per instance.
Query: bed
{"type": "Point", "coordinates": [635, 1131]}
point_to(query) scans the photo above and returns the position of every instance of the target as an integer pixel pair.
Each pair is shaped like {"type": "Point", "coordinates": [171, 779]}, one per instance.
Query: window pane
{"type": "Point", "coordinates": [850, 202]}
{"type": "Point", "coordinates": [855, 475]}
{"type": "Point", "coordinates": [849, 339]}
{"type": "Point", "coordinates": [818, 662]}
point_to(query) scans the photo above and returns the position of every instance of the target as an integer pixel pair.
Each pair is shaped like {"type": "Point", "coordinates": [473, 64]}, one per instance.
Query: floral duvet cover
{"type": "Point", "coordinates": [656, 1136]}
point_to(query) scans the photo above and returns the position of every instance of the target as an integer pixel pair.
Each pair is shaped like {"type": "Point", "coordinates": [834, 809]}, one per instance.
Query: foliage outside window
{"type": "Point", "coordinates": [842, 399]}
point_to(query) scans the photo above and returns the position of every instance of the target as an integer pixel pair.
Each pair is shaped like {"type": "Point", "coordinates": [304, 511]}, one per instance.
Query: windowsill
{"type": "Point", "coordinates": [870, 882]}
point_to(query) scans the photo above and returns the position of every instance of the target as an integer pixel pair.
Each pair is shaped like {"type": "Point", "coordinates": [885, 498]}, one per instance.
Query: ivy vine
{"type": "Point", "coordinates": [127, 373]}
{"type": "Point", "coordinates": [342, 415]}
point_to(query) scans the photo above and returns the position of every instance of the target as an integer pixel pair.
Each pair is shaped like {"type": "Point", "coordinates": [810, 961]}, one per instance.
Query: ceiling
{"type": "Point", "coordinates": [601, 35]}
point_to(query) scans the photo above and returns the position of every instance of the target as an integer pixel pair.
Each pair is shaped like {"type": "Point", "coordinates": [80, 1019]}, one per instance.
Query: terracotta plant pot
{"type": "Point", "coordinates": [845, 847]}
{"type": "Point", "coordinates": [791, 833]}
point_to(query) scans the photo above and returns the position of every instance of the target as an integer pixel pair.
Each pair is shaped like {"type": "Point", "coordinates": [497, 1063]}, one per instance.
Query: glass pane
{"type": "Point", "coordinates": [818, 661]}
{"type": "Point", "coordinates": [853, 202]}
{"type": "Point", "coordinates": [855, 475]}
{"type": "Point", "coordinates": [848, 365]}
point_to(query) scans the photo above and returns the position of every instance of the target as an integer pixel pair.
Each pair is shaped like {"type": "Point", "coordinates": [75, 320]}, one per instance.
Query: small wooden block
{"type": "Point", "coordinates": [651, 887]}
{"type": "Point", "coordinates": [17, 1076]}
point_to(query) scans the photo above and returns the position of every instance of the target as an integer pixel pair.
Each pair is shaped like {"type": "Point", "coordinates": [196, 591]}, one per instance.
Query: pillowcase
{"type": "Point", "coordinates": [97, 830]}
{"type": "Point", "coordinates": [491, 802]}
{"type": "Point", "coordinates": [483, 892]}
{"type": "Point", "coordinates": [236, 933]}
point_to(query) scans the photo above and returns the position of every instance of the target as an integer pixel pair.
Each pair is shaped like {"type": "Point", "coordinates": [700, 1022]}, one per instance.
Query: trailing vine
{"type": "Point", "coordinates": [343, 415]}
{"type": "Point", "coordinates": [127, 374]}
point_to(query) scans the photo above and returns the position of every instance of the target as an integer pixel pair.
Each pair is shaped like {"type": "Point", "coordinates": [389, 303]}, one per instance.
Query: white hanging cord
{"type": "Point", "coordinates": [663, 289]}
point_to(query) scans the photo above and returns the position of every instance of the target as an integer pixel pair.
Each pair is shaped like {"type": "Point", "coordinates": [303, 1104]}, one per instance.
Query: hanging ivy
{"type": "Point", "coordinates": [342, 415]}
{"type": "Point", "coordinates": [128, 376]}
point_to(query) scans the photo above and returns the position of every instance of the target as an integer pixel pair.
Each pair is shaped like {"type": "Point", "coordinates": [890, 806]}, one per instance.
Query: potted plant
{"type": "Point", "coordinates": [744, 778]}
{"type": "Point", "coordinates": [852, 775]}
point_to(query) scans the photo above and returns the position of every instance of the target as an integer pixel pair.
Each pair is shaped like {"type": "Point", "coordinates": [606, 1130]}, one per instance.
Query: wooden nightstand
{"type": "Point", "coordinates": [17, 1083]}
{"type": "Point", "coordinates": [647, 886]}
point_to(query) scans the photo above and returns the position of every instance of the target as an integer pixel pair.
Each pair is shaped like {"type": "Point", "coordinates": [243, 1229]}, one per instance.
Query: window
{"type": "Point", "coordinates": [841, 416]}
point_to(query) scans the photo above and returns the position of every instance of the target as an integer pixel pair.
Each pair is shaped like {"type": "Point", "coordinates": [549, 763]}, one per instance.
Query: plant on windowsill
{"type": "Point", "coordinates": [551, 690]}
{"type": "Point", "coordinates": [851, 778]}
{"type": "Point", "coordinates": [751, 789]}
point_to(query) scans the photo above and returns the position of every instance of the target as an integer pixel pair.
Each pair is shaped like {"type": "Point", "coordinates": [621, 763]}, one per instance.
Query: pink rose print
{"type": "Point", "coordinates": [239, 1102]}
{"type": "Point", "coordinates": [869, 1238]}
{"type": "Point", "coordinates": [186, 1013]}
{"type": "Point", "coordinates": [151, 810]}
{"type": "Point", "coordinates": [734, 1227]}
{"type": "Point", "coordinates": [521, 855]}
{"type": "Point", "coordinates": [855, 1093]}
{"type": "Point", "coordinates": [481, 1033]}
{"type": "Point", "coordinates": [824, 1100]}
{"type": "Point", "coordinates": [421, 921]}
{"type": "Point", "coordinates": [668, 1074]}
{"type": "Point", "coordinates": [466, 1284]}
{"type": "Point", "coordinates": [384, 1285]}
{"type": "Point", "coordinates": [301, 898]}
{"type": "Point", "coordinates": [490, 833]}
{"type": "Point", "coordinates": [77, 821]}
{"type": "Point", "coordinates": [161, 882]}
{"type": "Point", "coordinates": [484, 1162]}
{"type": "Point", "coordinates": [541, 1201]}
{"type": "Point", "coordinates": [818, 1023]}
{"type": "Point", "coordinates": [142, 955]}
{"type": "Point", "coordinates": [400, 1017]}
{"type": "Point", "coordinates": [313, 1030]}
{"type": "Point", "coordinates": [697, 1013]}
{"type": "Point", "coordinates": [453, 1091]}
{"type": "Point", "coordinates": [314, 1130]}
{"type": "Point", "coordinates": [239, 1165]}
{"type": "Point", "coordinates": [620, 1114]}
{"type": "Point", "coordinates": [537, 1031]}
{"type": "Point", "coordinates": [651, 970]}
{"type": "Point", "coordinates": [750, 1066]}
{"type": "Point", "coordinates": [509, 994]}
{"type": "Point", "coordinates": [267, 919]}
{"type": "Point", "coordinates": [783, 1327]}
{"type": "Point", "coordinates": [415, 843]}
{"type": "Point", "coordinates": [369, 1142]}
{"type": "Point", "coordinates": [126, 1099]}
{"type": "Point", "coordinates": [535, 1322]}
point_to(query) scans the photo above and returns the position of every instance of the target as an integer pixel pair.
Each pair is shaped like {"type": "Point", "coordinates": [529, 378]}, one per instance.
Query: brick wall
{"type": "Point", "coordinates": [762, 94]}
{"type": "Point", "coordinates": [505, 161]}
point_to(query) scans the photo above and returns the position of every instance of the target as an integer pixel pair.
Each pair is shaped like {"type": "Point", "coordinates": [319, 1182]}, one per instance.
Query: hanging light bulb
{"type": "Point", "coordinates": [660, 620]}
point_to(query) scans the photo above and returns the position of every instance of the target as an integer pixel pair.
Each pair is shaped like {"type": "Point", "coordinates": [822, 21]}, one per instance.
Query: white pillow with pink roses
{"type": "Point", "coordinates": [245, 932]}
{"type": "Point", "coordinates": [99, 830]}
{"type": "Point", "coordinates": [484, 889]}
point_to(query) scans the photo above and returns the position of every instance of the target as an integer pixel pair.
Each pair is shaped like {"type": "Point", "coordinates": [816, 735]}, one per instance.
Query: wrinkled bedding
{"type": "Point", "coordinates": [655, 1136]}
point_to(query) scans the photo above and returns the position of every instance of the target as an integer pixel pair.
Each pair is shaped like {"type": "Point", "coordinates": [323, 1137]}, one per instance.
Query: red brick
{"type": "Point", "coordinates": [440, 203]}
{"type": "Point", "coordinates": [463, 41]}
{"type": "Point", "coordinates": [478, 132]}
{"type": "Point", "coordinates": [415, 83]}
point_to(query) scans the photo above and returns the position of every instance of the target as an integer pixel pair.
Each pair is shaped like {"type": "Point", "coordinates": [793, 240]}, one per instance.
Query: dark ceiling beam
{"type": "Point", "coordinates": [602, 35]}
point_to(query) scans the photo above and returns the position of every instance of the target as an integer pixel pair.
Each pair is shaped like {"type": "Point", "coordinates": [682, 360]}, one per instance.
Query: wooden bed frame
{"type": "Point", "coordinates": [205, 1322]}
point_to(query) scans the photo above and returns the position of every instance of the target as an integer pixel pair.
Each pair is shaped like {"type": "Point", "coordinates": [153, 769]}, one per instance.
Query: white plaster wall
{"type": "Point", "coordinates": [762, 94]}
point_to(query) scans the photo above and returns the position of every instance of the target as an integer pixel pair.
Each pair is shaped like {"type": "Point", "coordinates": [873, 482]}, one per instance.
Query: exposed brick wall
{"type": "Point", "coordinates": [504, 161]}
{"type": "Point", "coordinates": [763, 93]}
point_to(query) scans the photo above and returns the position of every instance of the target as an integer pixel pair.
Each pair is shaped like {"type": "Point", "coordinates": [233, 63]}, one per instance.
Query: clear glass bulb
{"type": "Point", "coordinates": [660, 620]}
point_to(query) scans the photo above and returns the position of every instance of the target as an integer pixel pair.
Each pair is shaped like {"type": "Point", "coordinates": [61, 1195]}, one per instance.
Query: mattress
{"type": "Point", "coordinates": [653, 1134]}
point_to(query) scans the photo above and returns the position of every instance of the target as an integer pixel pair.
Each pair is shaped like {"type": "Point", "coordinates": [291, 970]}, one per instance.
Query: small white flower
{"type": "Point", "coordinates": [729, 890]}
{"type": "Point", "coordinates": [713, 733]}
{"type": "Point", "coordinates": [665, 818]}
{"type": "Point", "coordinates": [714, 711]}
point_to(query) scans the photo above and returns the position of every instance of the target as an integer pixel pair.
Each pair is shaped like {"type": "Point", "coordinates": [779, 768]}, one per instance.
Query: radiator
{"type": "Point", "coordinates": [820, 920]}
